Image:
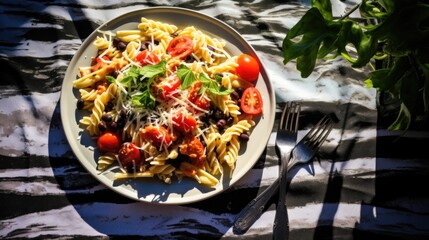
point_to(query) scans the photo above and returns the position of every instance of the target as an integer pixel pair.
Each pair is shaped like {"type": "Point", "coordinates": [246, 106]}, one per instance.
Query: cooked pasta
{"type": "Point", "coordinates": [162, 98]}
{"type": "Point", "coordinates": [106, 160]}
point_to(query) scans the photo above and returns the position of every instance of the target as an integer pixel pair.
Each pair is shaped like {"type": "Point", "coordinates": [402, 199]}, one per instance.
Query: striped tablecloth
{"type": "Point", "coordinates": [368, 183]}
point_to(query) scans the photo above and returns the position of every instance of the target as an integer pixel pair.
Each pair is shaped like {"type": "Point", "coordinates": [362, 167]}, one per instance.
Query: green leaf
{"type": "Point", "coordinates": [145, 100]}
{"type": "Point", "coordinates": [321, 37]}
{"type": "Point", "coordinates": [212, 86]}
{"type": "Point", "coordinates": [405, 30]}
{"type": "Point", "coordinates": [218, 78]}
{"type": "Point", "coordinates": [110, 79]}
{"type": "Point", "coordinates": [133, 73]}
{"type": "Point", "coordinates": [425, 70]}
{"type": "Point", "coordinates": [365, 45]}
{"type": "Point", "coordinates": [315, 31]}
{"type": "Point", "coordinates": [324, 6]}
{"type": "Point", "coordinates": [151, 71]}
{"type": "Point", "coordinates": [186, 76]}
{"type": "Point", "coordinates": [372, 9]}
{"type": "Point", "coordinates": [403, 120]}
{"type": "Point", "coordinates": [385, 79]}
{"type": "Point", "coordinates": [393, 30]}
{"type": "Point", "coordinates": [409, 92]}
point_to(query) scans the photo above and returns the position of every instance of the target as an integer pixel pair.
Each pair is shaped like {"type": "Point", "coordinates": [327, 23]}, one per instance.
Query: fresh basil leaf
{"type": "Point", "coordinates": [186, 76]}
{"type": "Point", "coordinates": [151, 71]}
{"type": "Point", "coordinates": [145, 100]}
{"type": "Point", "coordinates": [110, 79]}
{"type": "Point", "coordinates": [133, 72]}
{"type": "Point", "coordinates": [212, 86]}
{"type": "Point", "coordinates": [218, 78]}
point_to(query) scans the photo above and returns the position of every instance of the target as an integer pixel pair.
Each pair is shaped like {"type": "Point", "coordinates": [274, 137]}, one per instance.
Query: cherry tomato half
{"type": "Point", "coordinates": [129, 156]}
{"type": "Point", "coordinates": [180, 46]}
{"type": "Point", "coordinates": [167, 86]}
{"type": "Point", "coordinates": [108, 142]}
{"type": "Point", "coordinates": [251, 101]}
{"type": "Point", "coordinates": [157, 135]}
{"type": "Point", "coordinates": [146, 57]}
{"type": "Point", "coordinates": [248, 68]}
{"type": "Point", "coordinates": [184, 123]}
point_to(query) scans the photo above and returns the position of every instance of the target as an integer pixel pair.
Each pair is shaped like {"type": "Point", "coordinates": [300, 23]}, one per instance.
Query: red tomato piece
{"type": "Point", "coordinates": [167, 87]}
{"type": "Point", "coordinates": [192, 147]}
{"type": "Point", "coordinates": [180, 46]}
{"type": "Point", "coordinates": [129, 156]}
{"type": "Point", "coordinates": [157, 135]}
{"type": "Point", "coordinates": [197, 99]}
{"type": "Point", "coordinates": [146, 57]}
{"type": "Point", "coordinates": [202, 102]}
{"type": "Point", "coordinates": [251, 101]}
{"type": "Point", "coordinates": [97, 63]}
{"type": "Point", "coordinates": [248, 68]}
{"type": "Point", "coordinates": [184, 123]}
{"type": "Point", "coordinates": [108, 142]}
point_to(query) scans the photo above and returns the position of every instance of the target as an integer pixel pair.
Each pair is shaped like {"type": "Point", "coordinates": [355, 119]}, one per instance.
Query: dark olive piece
{"type": "Point", "coordinates": [107, 117]}
{"type": "Point", "coordinates": [116, 41]}
{"type": "Point", "coordinates": [122, 46]}
{"type": "Point", "coordinates": [221, 124]}
{"type": "Point", "coordinates": [218, 114]}
{"type": "Point", "coordinates": [244, 137]}
{"type": "Point", "coordinates": [102, 126]}
{"type": "Point", "coordinates": [80, 104]}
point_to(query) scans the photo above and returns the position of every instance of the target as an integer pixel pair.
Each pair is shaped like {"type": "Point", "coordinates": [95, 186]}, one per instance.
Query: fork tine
{"type": "Point", "coordinates": [296, 117]}
{"type": "Point", "coordinates": [322, 133]}
{"type": "Point", "coordinates": [290, 117]}
{"type": "Point", "coordinates": [315, 130]}
{"type": "Point", "coordinates": [323, 137]}
{"type": "Point", "coordinates": [282, 119]}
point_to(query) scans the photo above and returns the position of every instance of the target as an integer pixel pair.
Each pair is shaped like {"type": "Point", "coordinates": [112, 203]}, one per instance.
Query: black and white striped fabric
{"type": "Point", "coordinates": [367, 183]}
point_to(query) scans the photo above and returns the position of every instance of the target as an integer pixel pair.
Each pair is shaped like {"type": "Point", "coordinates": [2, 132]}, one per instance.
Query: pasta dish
{"type": "Point", "coordinates": [167, 102]}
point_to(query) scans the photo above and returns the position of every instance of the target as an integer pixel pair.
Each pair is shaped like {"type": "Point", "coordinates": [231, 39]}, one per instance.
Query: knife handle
{"type": "Point", "coordinates": [254, 209]}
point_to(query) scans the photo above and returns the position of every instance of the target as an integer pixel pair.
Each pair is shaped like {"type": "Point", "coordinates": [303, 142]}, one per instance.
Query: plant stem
{"type": "Point", "coordinates": [350, 11]}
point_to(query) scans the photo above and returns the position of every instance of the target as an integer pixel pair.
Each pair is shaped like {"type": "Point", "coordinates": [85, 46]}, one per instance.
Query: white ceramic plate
{"type": "Point", "coordinates": [154, 190]}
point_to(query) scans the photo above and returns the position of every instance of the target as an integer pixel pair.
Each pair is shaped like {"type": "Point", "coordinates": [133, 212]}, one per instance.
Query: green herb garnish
{"type": "Point", "coordinates": [187, 77]}
{"type": "Point", "coordinates": [139, 81]}
{"type": "Point", "coordinates": [212, 86]}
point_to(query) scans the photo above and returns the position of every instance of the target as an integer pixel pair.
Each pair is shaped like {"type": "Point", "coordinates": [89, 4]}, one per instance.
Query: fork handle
{"type": "Point", "coordinates": [281, 220]}
{"type": "Point", "coordinates": [254, 209]}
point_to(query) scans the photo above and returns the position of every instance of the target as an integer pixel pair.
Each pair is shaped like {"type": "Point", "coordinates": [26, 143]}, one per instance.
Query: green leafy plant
{"type": "Point", "coordinates": [395, 32]}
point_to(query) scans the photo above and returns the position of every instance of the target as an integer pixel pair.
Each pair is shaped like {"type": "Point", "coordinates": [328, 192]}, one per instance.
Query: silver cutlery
{"type": "Point", "coordinates": [252, 211]}
{"type": "Point", "coordinates": [285, 141]}
{"type": "Point", "coordinates": [303, 152]}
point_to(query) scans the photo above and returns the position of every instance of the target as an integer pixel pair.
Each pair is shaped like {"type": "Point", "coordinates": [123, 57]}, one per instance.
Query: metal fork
{"type": "Point", "coordinates": [307, 147]}
{"type": "Point", "coordinates": [303, 152]}
{"type": "Point", "coordinates": [285, 141]}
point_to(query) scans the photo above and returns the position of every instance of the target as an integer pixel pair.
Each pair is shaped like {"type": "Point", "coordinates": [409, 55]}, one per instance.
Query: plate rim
{"type": "Point", "coordinates": [108, 183]}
